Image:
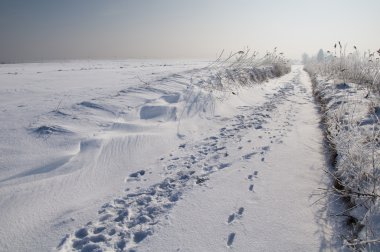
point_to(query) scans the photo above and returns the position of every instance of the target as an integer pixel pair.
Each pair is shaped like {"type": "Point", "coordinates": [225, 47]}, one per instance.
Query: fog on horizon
{"type": "Point", "coordinates": [97, 29]}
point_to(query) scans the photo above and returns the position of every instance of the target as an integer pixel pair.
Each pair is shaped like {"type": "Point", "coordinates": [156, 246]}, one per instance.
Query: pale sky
{"type": "Point", "coordinates": [35, 30]}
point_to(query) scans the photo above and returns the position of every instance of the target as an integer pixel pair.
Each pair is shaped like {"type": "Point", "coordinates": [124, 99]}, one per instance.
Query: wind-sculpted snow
{"type": "Point", "coordinates": [110, 152]}
{"type": "Point", "coordinates": [165, 113]}
{"type": "Point", "coordinates": [72, 131]}
{"type": "Point", "coordinates": [127, 221]}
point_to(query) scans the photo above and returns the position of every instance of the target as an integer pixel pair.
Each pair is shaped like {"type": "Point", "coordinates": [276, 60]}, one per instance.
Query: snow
{"type": "Point", "coordinates": [352, 125]}
{"type": "Point", "coordinates": [262, 202]}
{"type": "Point", "coordinates": [141, 155]}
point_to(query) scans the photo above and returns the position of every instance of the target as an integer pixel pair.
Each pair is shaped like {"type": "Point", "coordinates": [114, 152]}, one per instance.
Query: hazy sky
{"type": "Point", "coordinates": [34, 30]}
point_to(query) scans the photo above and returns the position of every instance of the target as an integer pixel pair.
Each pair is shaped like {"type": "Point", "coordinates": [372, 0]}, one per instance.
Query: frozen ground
{"type": "Point", "coordinates": [132, 155]}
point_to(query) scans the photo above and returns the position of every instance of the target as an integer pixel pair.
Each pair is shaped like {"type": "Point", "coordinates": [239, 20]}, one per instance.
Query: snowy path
{"type": "Point", "coordinates": [95, 160]}
{"type": "Point", "coordinates": [262, 202]}
{"type": "Point", "coordinates": [247, 185]}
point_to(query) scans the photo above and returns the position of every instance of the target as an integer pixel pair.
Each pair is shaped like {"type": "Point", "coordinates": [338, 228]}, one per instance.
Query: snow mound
{"type": "Point", "coordinates": [164, 113]}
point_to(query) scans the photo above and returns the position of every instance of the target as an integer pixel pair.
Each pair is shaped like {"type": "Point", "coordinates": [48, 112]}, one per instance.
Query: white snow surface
{"type": "Point", "coordinates": [139, 156]}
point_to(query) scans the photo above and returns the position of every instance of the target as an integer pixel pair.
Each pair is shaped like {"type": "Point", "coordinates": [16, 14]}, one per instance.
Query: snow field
{"type": "Point", "coordinates": [144, 156]}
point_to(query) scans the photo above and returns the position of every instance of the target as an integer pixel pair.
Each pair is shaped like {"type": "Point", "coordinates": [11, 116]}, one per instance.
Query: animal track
{"type": "Point", "coordinates": [137, 174]}
{"type": "Point", "coordinates": [230, 239]}
{"type": "Point", "coordinates": [250, 176]}
{"type": "Point", "coordinates": [233, 216]}
{"type": "Point", "coordinates": [249, 155]}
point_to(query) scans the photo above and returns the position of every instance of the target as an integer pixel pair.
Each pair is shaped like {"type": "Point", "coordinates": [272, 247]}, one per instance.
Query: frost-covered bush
{"type": "Point", "coordinates": [350, 102]}
{"type": "Point", "coordinates": [243, 69]}
{"type": "Point", "coordinates": [342, 66]}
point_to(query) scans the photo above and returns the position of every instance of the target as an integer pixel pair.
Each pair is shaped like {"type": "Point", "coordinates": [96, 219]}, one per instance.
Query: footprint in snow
{"type": "Point", "coordinates": [249, 155]}
{"type": "Point", "coordinates": [230, 239]}
{"type": "Point", "coordinates": [224, 165]}
{"type": "Point", "coordinates": [265, 148]}
{"type": "Point", "coordinates": [135, 176]}
{"type": "Point", "coordinates": [233, 216]}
